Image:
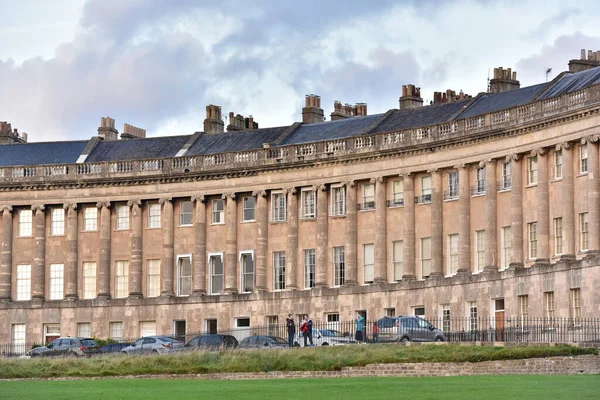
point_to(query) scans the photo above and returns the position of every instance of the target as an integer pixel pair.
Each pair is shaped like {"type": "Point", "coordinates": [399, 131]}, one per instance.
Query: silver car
{"type": "Point", "coordinates": [154, 345]}
{"type": "Point", "coordinates": [408, 328]}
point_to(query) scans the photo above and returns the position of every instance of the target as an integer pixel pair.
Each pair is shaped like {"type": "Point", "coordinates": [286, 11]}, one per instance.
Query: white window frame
{"type": "Point", "coordinates": [154, 215]}
{"type": "Point", "coordinates": [307, 201]}
{"type": "Point", "coordinates": [279, 270]}
{"type": "Point", "coordinates": [25, 223]}
{"type": "Point", "coordinates": [452, 253]}
{"type": "Point", "coordinates": [532, 170]}
{"type": "Point", "coordinates": [246, 209]}
{"type": "Point", "coordinates": [121, 279]}
{"type": "Point", "coordinates": [532, 240]}
{"type": "Point", "coordinates": [57, 222]}
{"type": "Point", "coordinates": [278, 206]}
{"type": "Point", "coordinates": [506, 183]}
{"type": "Point", "coordinates": [368, 196]}
{"type": "Point", "coordinates": [84, 329]}
{"type": "Point", "coordinates": [333, 321]}
{"type": "Point", "coordinates": [184, 280]}
{"type": "Point", "coordinates": [122, 217]}
{"type": "Point", "coordinates": [339, 265]}
{"type": "Point", "coordinates": [90, 219]}
{"type": "Point", "coordinates": [244, 275]}
{"type": "Point", "coordinates": [425, 258]}
{"type": "Point", "coordinates": [338, 201]}
{"type": "Point", "coordinates": [453, 185]}
{"type": "Point", "coordinates": [57, 282]}
{"type": "Point", "coordinates": [584, 231]}
{"type": "Point", "coordinates": [217, 215]}
{"type": "Point", "coordinates": [558, 163]}
{"type": "Point", "coordinates": [398, 259]}
{"type": "Point", "coordinates": [426, 189]}
{"type": "Point", "coordinates": [397, 193]}
{"type": "Point", "coordinates": [549, 304]}
{"type": "Point", "coordinates": [583, 159]}
{"type": "Point", "coordinates": [309, 260]}
{"type": "Point", "coordinates": [575, 302]}
{"type": "Point", "coordinates": [480, 181]}
{"type": "Point", "coordinates": [153, 267]}
{"type": "Point", "coordinates": [558, 236]}
{"type": "Point", "coordinates": [446, 317]}
{"type": "Point", "coordinates": [18, 336]}
{"type": "Point", "coordinates": [479, 250]}
{"type": "Point", "coordinates": [186, 217]}
{"type": "Point", "coordinates": [523, 302]}
{"type": "Point", "coordinates": [115, 330]}
{"type": "Point", "coordinates": [89, 279]}
{"type": "Point", "coordinates": [472, 316]}
{"type": "Point", "coordinates": [23, 282]}
{"type": "Point", "coordinates": [212, 275]}
{"type": "Point", "coordinates": [368, 262]}
{"type": "Point", "coordinates": [506, 245]}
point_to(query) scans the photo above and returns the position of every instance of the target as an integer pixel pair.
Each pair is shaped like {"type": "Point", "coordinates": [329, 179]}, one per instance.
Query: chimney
{"type": "Point", "coordinates": [449, 96]}
{"type": "Point", "coordinates": [312, 111]}
{"type": "Point", "coordinates": [213, 122]}
{"type": "Point", "coordinates": [504, 81]}
{"type": "Point", "coordinates": [239, 123]}
{"type": "Point", "coordinates": [592, 61]}
{"type": "Point", "coordinates": [347, 110]}
{"type": "Point", "coordinates": [132, 132]}
{"type": "Point", "coordinates": [8, 135]}
{"type": "Point", "coordinates": [107, 130]}
{"type": "Point", "coordinates": [411, 97]}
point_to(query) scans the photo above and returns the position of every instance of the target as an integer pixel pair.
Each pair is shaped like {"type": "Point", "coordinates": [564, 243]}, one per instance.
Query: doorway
{"type": "Point", "coordinates": [499, 319]}
{"type": "Point", "coordinates": [211, 326]}
{"type": "Point", "coordinates": [179, 330]}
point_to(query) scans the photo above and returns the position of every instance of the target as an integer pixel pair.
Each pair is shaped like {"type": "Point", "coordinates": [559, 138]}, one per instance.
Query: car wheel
{"type": "Point", "coordinates": [155, 352]}
{"type": "Point", "coordinates": [439, 339]}
{"type": "Point", "coordinates": [325, 344]}
{"type": "Point", "coordinates": [73, 354]}
{"type": "Point", "coordinates": [405, 339]}
{"type": "Point", "coordinates": [124, 352]}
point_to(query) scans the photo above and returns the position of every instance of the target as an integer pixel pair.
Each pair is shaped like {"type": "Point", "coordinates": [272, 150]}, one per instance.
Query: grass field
{"type": "Point", "coordinates": [464, 387]}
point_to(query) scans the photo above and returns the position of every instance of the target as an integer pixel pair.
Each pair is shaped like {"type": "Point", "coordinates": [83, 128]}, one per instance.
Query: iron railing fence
{"type": "Point", "coordinates": [457, 330]}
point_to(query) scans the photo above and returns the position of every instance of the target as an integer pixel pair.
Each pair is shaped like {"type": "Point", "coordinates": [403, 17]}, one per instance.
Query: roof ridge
{"type": "Point", "coordinates": [470, 104]}
{"type": "Point", "coordinates": [551, 84]}
{"type": "Point", "coordinates": [381, 120]}
{"type": "Point", "coordinates": [291, 129]}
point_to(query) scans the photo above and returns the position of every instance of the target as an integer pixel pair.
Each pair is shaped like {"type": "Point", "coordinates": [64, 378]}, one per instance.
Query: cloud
{"type": "Point", "coordinates": [549, 24]}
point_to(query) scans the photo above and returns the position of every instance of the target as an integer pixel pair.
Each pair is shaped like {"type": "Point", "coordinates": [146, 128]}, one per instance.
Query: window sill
{"type": "Point", "coordinates": [505, 190]}
{"type": "Point", "coordinates": [24, 237]}
{"type": "Point", "coordinates": [58, 236]}
{"type": "Point", "coordinates": [423, 204]}
{"type": "Point", "coordinates": [337, 216]}
{"type": "Point", "coordinates": [396, 206]}
{"type": "Point", "coordinates": [153, 227]}
{"type": "Point", "coordinates": [308, 218]}
{"type": "Point", "coordinates": [582, 174]}
{"type": "Point", "coordinates": [186, 226]}
{"type": "Point", "coordinates": [530, 185]}
{"type": "Point", "coordinates": [451, 199]}
{"type": "Point", "coordinates": [556, 180]}
{"type": "Point", "coordinates": [121, 229]}
{"type": "Point", "coordinates": [278, 222]}
{"type": "Point", "coordinates": [366, 210]}
{"type": "Point", "coordinates": [89, 230]}
{"type": "Point", "coordinates": [217, 223]}
{"type": "Point", "coordinates": [478, 194]}
{"type": "Point", "coordinates": [248, 221]}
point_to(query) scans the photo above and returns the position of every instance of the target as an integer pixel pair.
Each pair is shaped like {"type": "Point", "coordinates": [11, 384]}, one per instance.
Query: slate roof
{"type": "Point", "coordinates": [332, 129]}
{"type": "Point", "coordinates": [573, 82]}
{"type": "Point", "coordinates": [137, 149]}
{"type": "Point", "coordinates": [234, 141]}
{"type": "Point", "coordinates": [41, 153]}
{"type": "Point", "coordinates": [489, 103]}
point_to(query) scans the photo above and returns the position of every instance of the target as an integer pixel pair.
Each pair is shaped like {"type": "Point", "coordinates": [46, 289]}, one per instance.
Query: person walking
{"type": "Point", "coordinates": [306, 329]}
{"type": "Point", "coordinates": [360, 323]}
{"type": "Point", "coordinates": [291, 328]}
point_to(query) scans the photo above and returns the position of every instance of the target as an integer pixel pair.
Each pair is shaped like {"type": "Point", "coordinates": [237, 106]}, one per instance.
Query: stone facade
{"type": "Point", "coordinates": [454, 216]}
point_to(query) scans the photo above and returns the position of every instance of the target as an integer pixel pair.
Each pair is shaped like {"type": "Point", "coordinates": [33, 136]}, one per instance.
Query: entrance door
{"type": "Point", "coordinates": [499, 319]}
{"type": "Point", "coordinates": [51, 332]}
{"type": "Point", "coordinates": [211, 326]}
{"type": "Point", "coordinates": [179, 330]}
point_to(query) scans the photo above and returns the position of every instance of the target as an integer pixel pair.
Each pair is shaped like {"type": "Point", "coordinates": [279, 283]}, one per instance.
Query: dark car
{"type": "Point", "coordinates": [408, 328]}
{"type": "Point", "coordinates": [113, 348]}
{"type": "Point", "coordinates": [212, 342]}
{"type": "Point", "coordinates": [71, 347]}
{"type": "Point", "coordinates": [260, 342]}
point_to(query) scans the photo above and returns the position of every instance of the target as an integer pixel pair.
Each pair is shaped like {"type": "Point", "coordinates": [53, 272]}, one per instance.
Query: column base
{"type": "Point", "coordinates": [591, 253]}
{"type": "Point", "coordinates": [490, 269]}
{"type": "Point", "coordinates": [136, 295]}
{"type": "Point", "coordinates": [103, 296]}
{"type": "Point", "coordinates": [409, 277]}
{"type": "Point", "coordinates": [435, 275]}
{"type": "Point", "coordinates": [541, 262]}
{"type": "Point", "coordinates": [71, 297]}
{"type": "Point", "coordinates": [379, 281]}
{"type": "Point", "coordinates": [516, 265]}
{"type": "Point", "coordinates": [199, 292]}
{"type": "Point", "coordinates": [566, 257]}
{"type": "Point", "coordinates": [463, 272]}
{"type": "Point", "coordinates": [5, 299]}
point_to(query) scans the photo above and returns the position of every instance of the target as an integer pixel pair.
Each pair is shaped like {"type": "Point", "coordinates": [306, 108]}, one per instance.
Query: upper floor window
{"type": "Point", "coordinates": [247, 267]}
{"type": "Point", "coordinates": [309, 268]}
{"type": "Point", "coordinates": [453, 185]}
{"type": "Point", "coordinates": [369, 262]}
{"type": "Point", "coordinates": [452, 253]}
{"type": "Point", "coordinates": [532, 170]}
{"type": "Point", "coordinates": [218, 211]}
{"type": "Point", "coordinates": [57, 273]}
{"type": "Point", "coordinates": [25, 223]}
{"type": "Point", "coordinates": [278, 270]}
{"type": "Point", "coordinates": [215, 265]}
{"type": "Point", "coordinates": [89, 280]}
{"type": "Point", "coordinates": [186, 213]}
{"type": "Point", "coordinates": [558, 164]}
{"type": "Point", "coordinates": [122, 217]}
{"type": "Point", "coordinates": [57, 221]}
{"type": "Point", "coordinates": [307, 199]}
{"type": "Point", "coordinates": [338, 200]}
{"type": "Point", "coordinates": [154, 215]}
{"type": "Point", "coordinates": [583, 159]}
{"type": "Point", "coordinates": [398, 259]}
{"type": "Point", "coordinates": [90, 219]}
{"type": "Point", "coordinates": [248, 204]}
{"type": "Point", "coordinates": [184, 275]}
{"type": "Point", "coordinates": [121, 279]}
{"type": "Point", "coordinates": [425, 257]}
{"type": "Point", "coordinates": [532, 239]}
{"type": "Point", "coordinates": [368, 198]}
{"type": "Point", "coordinates": [480, 181]}
{"type": "Point", "coordinates": [23, 282]}
{"type": "Point", "coordinates": [278, 209]}
{"type": "Point", "coordinates": [506, 182]}
{"type": "Point", "coordinates": [583, 231]}
{"type": "Point", "coordinates": [506, 243]}
{"type": "Point", "coordinates": [425, 190]}
{"type": "Point", "coordinates": [398, 193]}
{"type": "Point", "coordinates": [339, 266]}
{"type": "Point", "coordinates": [558, 235]}
{"type": "Point", "coordinates": [153, 278]}
{"type": "Point", "coordinates": [480, 250]}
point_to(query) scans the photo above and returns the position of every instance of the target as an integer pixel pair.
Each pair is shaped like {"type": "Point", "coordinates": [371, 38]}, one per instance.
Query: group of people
{"type": "Point", "coordinates": [306, 327]}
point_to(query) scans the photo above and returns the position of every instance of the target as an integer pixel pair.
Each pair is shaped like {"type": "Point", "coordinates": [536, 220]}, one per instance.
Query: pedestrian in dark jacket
{"type": "Point", "coordinates": [291, 327]}
{"type": "Point", "coordinates": [306, 329]}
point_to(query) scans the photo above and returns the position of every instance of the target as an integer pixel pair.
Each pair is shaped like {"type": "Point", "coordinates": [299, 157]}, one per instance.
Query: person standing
{"type": "Point", "coordinates": [291, 327]}
{"type": "Point", "coordinates": [360, 323]}
{"type": "Point", "coordinates": [306, 329]}
{"type": "Point", "coordinates": [375, 332]}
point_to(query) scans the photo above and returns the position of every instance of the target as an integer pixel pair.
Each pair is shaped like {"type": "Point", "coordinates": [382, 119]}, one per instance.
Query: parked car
{"type": "Point", "coordinates": [326, 337]}
{"type": "Point", "coordinates": [113, 348]}
{"type": "Point", "coordinates": [212, 342]}
{"type": "Point", "coordinates": [408, 328]}
{"type": "Point", "coordinates": [71, 347]}
{"type": "Point", "coordinates": [33, 353]}
{"type": "Point", "coordinates": [261, 341]}
{"type": "Point", "coordinates": [154, 345]}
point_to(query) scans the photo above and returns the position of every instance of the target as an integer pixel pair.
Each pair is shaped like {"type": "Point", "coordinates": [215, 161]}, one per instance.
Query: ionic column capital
{"type": "Point", "coordinates": [260, 192]}
{"type": "Point", "coordinates": [590, 139]}
{"type": "Point", "coordinates": [292, 191]}
{"type": "Point", "coordinates": [199, 198]}
{"type": "Point", "coordinates": [538, 152]}
{"type": "Point", "coordinates": [462, 166]}
{"type": "Point", "coordinates": [353, 183]}
{"type": "Point", "coordinates": [131, 203]}
{"type": "Point", "coordinates": [377, 179]}
{"type": "Point", "coordinates": [563, 146]}
{"type": "Point", "coordinates": [38, 207]}
{"type": "Point", "coordinates": [228, 196]}
{"type": "Point", "coordinates": [70, 206]}
{"type": "Point", "coordinates": [322, 187]}
{"type": "Point", "coordinates": [6, 208]}
{"type": "Point", "coordinates": [434, 170]}
{"type": "Point", "coordinates": [483, 163]}
{"type": "Point", "coordinates": [101, 204]}
{"type": "Point", "coordinates": [165, 200]}
{"type": "Point", "coordinates": [405, 174]}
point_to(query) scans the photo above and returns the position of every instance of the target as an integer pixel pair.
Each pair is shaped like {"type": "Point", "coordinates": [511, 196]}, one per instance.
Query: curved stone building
{"type": "Point", "coordinates": [471, 206]}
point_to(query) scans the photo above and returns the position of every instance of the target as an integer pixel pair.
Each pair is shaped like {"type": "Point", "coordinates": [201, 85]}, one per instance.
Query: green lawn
{"type": "Point", "coordinates": [464, 387]}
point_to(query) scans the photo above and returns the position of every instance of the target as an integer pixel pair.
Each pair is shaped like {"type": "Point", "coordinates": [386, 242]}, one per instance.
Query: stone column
{"type": "Point", "coordinates": [380, 270]}
{"type": "Point", "coordinates": [168, 259]}
{"type": "Point", "coordinates": [199, 268]}
{"type": "Point", "coordinates": [409, 228]}
{"type": "Point", "coordinates": [231, 261]}
{"type": "Point", "coordinates": [262, 236]}
{"type": "Point", "coordinates": [593, 195]}
{"type": "Point", "coordinates": [136, 255]}
{"type": "Point", "coordinates": [491, 206]}
{"type": "Point", "coordinates": [516, 211]}
{"type": "Point", "coordinates": [543, 207]}
{"type": "Point", "coordinates": [104, 265]}
{"type": "Point", "coordinates": [6, 256]}
{"type": "Point", "coordinates": [437, 227]}
{"type": "Point", "coordinates": [351, 236]}
{"type": "Point", "coordinates": [464, 220]}
{"type": "Point", "coordinates": [568, 200]}
{"type": "Point", "coordinates": [38, 275]}
{"type": "Point", "coordinates": [322, 238]}
{"type": "Point", "coordinates": [291, 255]}
{"type": "Point", "coordinates": [71, 267]}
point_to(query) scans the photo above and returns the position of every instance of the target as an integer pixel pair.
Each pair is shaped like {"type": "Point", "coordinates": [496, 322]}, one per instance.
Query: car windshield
{"type": "Point", "coordinates": [88, 342]}
{"type": "Point", "coordinates": [278, 340]}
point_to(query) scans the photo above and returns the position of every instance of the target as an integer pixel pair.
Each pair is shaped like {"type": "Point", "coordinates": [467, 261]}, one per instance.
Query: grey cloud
{"type": "Point", "coordinates": [550, 23]}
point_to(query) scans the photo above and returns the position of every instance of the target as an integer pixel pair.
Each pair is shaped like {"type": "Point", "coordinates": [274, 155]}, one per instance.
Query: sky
{"type": "Point", "coordinates": [156, 64]}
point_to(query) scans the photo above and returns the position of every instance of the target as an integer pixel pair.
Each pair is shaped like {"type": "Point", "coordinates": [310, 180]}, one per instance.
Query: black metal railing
{"type": "Point", "coordinates": [424, 199]}
{"type": "Point", "coordinates": [369, 205]}
{"type": "Point", "coordinates": [395, 203]}
{"type": "Point", "coordinates": [478, 189]}
{"type": "Point", "coordinates": [504, 184]}
{"type": "Point", "coordinates": [451, 194]}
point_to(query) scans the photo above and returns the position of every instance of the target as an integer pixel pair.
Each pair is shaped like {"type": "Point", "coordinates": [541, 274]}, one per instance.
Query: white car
{"type": "Point", "coordinates": [326, 337]}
